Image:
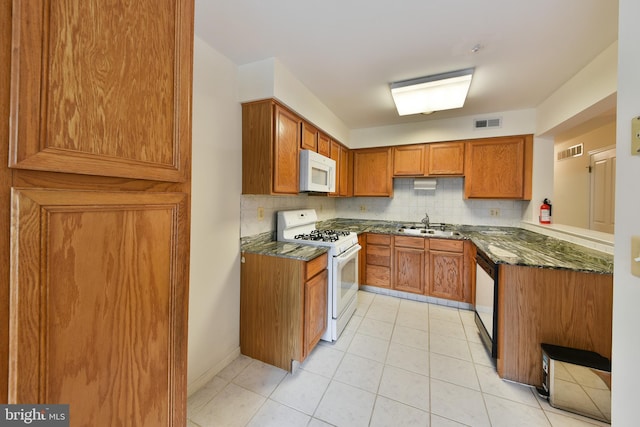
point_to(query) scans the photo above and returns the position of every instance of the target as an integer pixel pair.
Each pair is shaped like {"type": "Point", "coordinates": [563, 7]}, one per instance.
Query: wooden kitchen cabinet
{"type": "Point", "coordinates": [315, 307]}
{"type": "Point", "coordinates": [346, 172]}
{"type": "Point", "coordinates": [342, 157]}
{"type": "Point", "coordinates": [446, 263]}
{"type": "Point", "coordinates": [410, 160]}
{"type": "Point", "coordinates": [98, 195]}
{"type": "Point", "coordinates": [378, 260]}
{"type": "Point", "coordinates": [373, 172]}
{"type": "Point", "coordinates": [335, 153]}
{"type": "Point", "coordinates": [270, 148]}
{"type": "Point", "coordinates": [499, 168]}
{"type": "Point", "coordinates": [441, 268]}
{"type": "Point", "coordinates": [409, 264]}
{"type": "Point", "coordinates": [283, 307]}
{"type": "Point", "coordinates": [324, 144]}
{"type": "Point", "coordinates": [309, 140]}
{"type": "Point", "coordinates": [446, 158]}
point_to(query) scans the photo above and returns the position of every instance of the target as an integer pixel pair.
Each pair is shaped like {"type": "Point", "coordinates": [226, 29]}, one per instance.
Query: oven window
{"type": "Point", "coordinates": [348, 278]}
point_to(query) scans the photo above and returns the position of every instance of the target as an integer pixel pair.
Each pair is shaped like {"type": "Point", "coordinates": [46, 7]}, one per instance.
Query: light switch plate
{"type": "Point", "coordinates": [635, 136]}
{"type": "Point", "coordinates": [635, 255]}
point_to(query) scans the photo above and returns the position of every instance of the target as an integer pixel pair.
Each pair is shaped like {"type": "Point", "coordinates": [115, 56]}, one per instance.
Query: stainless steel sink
{"type": "Point", "coordinates": [427, 232]}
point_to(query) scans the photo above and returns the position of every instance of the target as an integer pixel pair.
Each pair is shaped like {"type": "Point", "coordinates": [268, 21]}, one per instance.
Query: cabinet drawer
{"type": "Point", "coordinates": [315, 266]}
{"type": "Point", "coordinates": [409, 242]}
{"type": "Point", "coordinates": [379, 255]}
{"type": "Point", "coordinates": [379, 239]}
{"type": "Point", "coordinates": [446, 245]}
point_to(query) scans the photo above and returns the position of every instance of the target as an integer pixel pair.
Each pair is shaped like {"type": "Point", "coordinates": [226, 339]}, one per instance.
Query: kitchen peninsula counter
{"type": "Point", "coordinates": [503, 245]}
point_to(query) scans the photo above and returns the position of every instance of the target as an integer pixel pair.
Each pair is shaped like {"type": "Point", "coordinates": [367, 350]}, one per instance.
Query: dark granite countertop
{"type": "Point", "coordinates": [264, 244]}
{"type": "Point", "coordinates": [504, 245]}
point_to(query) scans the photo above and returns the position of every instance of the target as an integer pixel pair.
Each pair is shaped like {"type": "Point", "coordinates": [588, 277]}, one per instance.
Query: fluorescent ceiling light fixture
{"type": "Point", "coordinates": [432, 93]}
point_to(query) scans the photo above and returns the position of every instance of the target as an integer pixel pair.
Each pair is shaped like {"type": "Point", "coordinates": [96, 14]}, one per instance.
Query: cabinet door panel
{"type": "Point", "coordinates": [79, 103]}
{"type": "Point", "coordinates": [315, 310]}
{"type": "Point", "coordinates": [373, 172]}
{"type": "Point", "coordinates": [408, 270]}
{"type": "Point", "coordinates": [446, 158]}
{"type": "Point", "coordinates": [99, 304]}
{"type": "Point", "coordinates": [446, 275]}
{"type": "Point", "coordinates": [286, 177]}
{"type": "Point", "coordinates": [499, 168]}
{"type": "Point", "coordinates": [409, 160]}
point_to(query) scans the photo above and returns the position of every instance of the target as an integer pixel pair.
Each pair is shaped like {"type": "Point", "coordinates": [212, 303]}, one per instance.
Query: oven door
{"type": "Point", "coordinates": [345, 283]}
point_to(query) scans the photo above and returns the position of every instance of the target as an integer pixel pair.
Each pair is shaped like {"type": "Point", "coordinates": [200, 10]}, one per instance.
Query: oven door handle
{"type": "Point", "coordinates": [352, 250]}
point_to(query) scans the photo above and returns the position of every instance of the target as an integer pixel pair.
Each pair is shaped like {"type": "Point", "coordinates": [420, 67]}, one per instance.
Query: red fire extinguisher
{"type": "Point", "coordinates": [545, 212]}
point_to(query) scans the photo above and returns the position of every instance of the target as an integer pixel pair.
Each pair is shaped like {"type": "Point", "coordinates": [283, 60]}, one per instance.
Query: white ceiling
{"type": "Point", "coordinates": [347, 52]}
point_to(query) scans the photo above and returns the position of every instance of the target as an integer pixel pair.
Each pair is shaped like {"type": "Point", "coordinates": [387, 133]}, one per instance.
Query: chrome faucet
{"type": "Point", "coordinates": [425, 220]}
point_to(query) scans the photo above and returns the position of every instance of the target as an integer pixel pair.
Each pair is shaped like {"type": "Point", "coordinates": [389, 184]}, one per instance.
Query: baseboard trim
{"type": "Point", "coordinates": [203, 379]}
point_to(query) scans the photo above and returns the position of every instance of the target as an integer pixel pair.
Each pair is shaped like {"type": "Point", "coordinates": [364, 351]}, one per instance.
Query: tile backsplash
{"type": "Point", "coordinates": [445, 204]}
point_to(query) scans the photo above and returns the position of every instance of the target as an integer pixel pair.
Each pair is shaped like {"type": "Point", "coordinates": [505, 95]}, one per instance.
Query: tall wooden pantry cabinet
{"type": "Point", "coordinates": [95, 177]}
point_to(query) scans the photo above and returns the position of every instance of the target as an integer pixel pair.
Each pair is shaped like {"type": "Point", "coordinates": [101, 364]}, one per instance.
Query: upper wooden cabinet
{"type": "Point", "coordinates": [102, 89]}
{"type": "Point", "coordinates": [335, 153]}
{"type": "Point", "coordinates": [435, 159]}
{"type": "Point", "coordinates": [499, 168]}
{"type": "Point", "coordinates": [323, 144]}
{"type": "Point", "coordinates": [446, 158]}
{"type": "Point", "coordinates": [270, 149]}
{"type": "Point", "coordinates": [410, 160]}
{"type": "Point", "coordinates": [373, 172]}
{"type": "Point", "coordinates": [309, 140]}
{"type": "Point", "coordinates": [344, 171]}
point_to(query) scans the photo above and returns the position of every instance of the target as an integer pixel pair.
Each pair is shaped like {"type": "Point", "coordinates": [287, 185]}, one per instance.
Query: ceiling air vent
{"type": "Point", "coordinates": [491, 123]}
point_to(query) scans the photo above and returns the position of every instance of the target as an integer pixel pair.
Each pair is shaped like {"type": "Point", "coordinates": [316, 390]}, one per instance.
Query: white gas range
{"type": "Point", "coordinates": [299, 226]}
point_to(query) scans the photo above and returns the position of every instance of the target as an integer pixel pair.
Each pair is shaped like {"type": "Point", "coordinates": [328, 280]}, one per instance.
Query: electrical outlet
{"type": "Point", "coordinates": [635, 255]}
{"type": "Point", "coordinates": [635, 136]}
{"type": "Point", "coordinates": [363, 208]}
{"type": "Point", "coordinates": [494, 212]}
{"type": "Point", "coordinates": [260, 213]}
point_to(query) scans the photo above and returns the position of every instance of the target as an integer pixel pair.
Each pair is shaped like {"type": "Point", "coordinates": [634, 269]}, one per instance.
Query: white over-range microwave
{"type": "Point", "coordinates": [317, 172]}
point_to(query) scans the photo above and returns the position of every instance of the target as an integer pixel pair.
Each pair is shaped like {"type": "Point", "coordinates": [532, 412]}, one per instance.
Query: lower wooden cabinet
{"type": "Point", "coordinates": [378, 260]}
{"type": "Point", "coordinates": [315, 310]}
{"type": "Point", "coordinates": [441, 268]}
{"type": "Point", "coordinates": [446, 259]}
{"type": "Point", "coordinates": [409, 264]}
{"type": "Point", "coordinates": [283, 307]}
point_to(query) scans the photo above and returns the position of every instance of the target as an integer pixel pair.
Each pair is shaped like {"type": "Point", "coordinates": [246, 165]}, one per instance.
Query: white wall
{"type": "Point", "coordinates": [626, 288]}
{"type": "Point", "coordinates": [270, 79]}
{"type": "Point", "coordinates": [587, 94]}
{"type": "Point", "coordinates": [214, 302]}
{"type": "Point", "coordinates": [514, 122]}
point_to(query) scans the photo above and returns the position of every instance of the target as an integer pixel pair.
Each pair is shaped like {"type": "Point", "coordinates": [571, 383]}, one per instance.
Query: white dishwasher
{"type": "Point", "coordinates": [486, 301]}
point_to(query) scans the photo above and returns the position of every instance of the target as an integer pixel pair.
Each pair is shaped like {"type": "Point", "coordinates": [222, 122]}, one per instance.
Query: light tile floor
{"type": "Point", "coordinates": [398, 363]}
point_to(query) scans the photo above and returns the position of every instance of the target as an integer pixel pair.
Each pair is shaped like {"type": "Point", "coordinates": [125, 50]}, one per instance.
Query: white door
{"type": "Point", "coordinates": [602, 194]}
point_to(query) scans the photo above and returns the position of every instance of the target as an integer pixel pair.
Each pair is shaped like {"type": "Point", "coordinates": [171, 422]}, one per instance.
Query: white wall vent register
{"type": "Point", "coordinates": [492, 123]}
